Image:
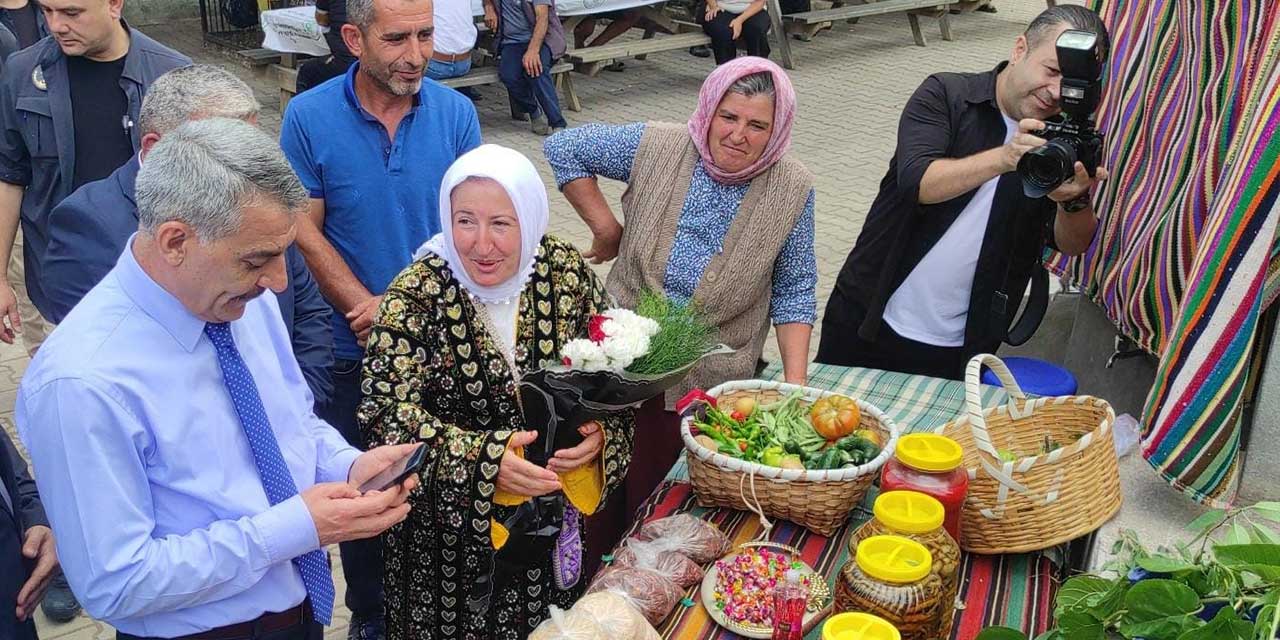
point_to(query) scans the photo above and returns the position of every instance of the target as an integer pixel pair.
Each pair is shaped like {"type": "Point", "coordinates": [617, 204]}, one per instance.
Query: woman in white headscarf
{"type": "Point", "coordinates": [489, 297]}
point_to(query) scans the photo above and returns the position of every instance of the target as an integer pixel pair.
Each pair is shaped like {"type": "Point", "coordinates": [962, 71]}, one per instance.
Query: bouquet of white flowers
{"type": "Point", "coordinates": [616, 338]}
{"type": "Point", "coordinates": [628, 357]}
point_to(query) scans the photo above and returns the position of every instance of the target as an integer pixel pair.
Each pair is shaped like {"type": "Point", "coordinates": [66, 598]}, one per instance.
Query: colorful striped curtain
{"type": "Point", "coordinates": [1186, 255]}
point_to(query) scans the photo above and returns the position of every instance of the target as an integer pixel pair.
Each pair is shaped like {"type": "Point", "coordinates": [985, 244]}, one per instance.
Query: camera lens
{"type": "Point", "coordinates": [1046, 167]}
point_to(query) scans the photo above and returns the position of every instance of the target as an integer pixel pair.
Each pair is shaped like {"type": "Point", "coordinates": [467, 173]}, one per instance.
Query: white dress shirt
{"type": "Point", "coordinates": [163, 526]}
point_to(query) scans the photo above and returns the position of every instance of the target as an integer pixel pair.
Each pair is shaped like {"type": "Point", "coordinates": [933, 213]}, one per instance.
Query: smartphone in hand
{"type": "Point", "coordinates": [398, 472]}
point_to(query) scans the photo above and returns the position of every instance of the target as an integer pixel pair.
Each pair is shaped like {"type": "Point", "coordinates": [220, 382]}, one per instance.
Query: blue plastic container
{"type": "Point", "coordinates": [1036, 377]}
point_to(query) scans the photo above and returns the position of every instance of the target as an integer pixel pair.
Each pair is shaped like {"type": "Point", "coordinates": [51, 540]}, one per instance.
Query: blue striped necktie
{"type": "Point", "coordinates": [273, 472]}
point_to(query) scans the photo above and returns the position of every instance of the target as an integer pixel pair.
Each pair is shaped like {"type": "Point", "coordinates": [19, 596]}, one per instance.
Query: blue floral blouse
{"type": "Point", "coordinates": [609, 150]}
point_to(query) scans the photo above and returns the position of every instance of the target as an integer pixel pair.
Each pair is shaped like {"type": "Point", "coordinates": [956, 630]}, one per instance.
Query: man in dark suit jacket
{"type": "Point", "coordinates": [90, 228]}
{"type": "Point", "coordinates": [27, 555]}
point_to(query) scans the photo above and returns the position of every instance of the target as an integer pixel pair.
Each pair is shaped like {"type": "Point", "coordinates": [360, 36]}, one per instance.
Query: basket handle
{"type": "Point", "coordinates": [754, 503]}
{"type": "Point", "coordinates": [973, 398]}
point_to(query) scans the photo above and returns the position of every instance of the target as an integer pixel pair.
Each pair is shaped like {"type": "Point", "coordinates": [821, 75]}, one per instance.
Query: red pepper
{"type": "Point", "coordinates": [691, 398]}
{"type": "Point", "coordinates": [738, 416]}
{"type": "Point", "coordinates": [742, 445]}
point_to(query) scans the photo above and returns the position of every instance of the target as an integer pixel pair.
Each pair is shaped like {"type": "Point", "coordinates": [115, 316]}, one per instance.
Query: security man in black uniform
{"type": "Point", "coordinates": [67, 110]}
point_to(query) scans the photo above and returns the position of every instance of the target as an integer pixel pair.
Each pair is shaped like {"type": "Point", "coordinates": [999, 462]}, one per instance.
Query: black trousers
{"type": "Point", "coordinates": [311, 631]}
{"type": "Point", "coordinates": [754, 37]}
{"type": "Point", "coordinates": [841, 345]}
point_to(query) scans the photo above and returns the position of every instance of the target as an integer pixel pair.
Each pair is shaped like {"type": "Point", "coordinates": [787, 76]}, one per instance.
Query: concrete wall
{"type": "Point", "coordinates": [1259, 480]}
{"type": "Point", "coordinates": [1077, 334]}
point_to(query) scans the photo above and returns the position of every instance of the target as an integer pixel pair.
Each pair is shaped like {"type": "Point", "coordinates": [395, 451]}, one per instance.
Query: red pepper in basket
{"type": "Point", "coordinates": [691, 399]}
{"type": "Point", "coordinates": [738, 416]}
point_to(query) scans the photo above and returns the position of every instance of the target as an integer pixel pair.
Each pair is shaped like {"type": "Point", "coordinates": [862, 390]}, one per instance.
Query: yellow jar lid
{"type": "Point", "coordinates": [894, 559]}
{"type": "Point", "coordinates": [858, 626]}
{"type": "Point", "coordinates": [929, 452]}
{"type": "Point", "coordinates": [909, 511]}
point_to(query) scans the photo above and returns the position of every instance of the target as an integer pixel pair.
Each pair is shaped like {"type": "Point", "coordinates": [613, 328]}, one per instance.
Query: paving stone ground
{"type": "Point", "coordinates": [851, 84]}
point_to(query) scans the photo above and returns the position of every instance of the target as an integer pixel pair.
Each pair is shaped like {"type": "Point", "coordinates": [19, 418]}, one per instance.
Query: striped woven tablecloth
{"type": "Point", "coordinates": [1011, 590]}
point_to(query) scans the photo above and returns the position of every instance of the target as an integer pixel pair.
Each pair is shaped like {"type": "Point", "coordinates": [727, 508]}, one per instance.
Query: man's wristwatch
{"type": "Point", "coordinates": [1079, 204]}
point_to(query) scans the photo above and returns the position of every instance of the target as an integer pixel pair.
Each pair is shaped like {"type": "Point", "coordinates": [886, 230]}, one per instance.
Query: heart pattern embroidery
{"type": "Point", "coordinates": [466, 371]}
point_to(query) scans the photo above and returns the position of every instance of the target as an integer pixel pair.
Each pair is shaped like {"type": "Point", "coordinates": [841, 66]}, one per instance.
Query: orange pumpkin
{"type": "Point", "coordinates": [834, 417]}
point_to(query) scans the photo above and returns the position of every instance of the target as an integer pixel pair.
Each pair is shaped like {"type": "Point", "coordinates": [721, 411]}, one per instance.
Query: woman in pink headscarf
{"type": "Point", "coordinates": [716, 212]}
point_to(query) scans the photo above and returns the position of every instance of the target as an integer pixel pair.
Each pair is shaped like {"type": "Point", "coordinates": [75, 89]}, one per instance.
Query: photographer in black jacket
{"type": "Point", "coordinates": [952, 239]}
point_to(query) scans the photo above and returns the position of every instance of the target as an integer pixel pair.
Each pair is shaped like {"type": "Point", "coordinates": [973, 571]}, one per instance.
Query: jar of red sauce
{"type": "Point", "coordinates": [930, 463]}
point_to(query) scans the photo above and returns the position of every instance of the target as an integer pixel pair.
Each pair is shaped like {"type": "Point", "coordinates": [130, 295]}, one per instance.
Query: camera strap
{"type": "Point", "coordinates": [1033, 312]}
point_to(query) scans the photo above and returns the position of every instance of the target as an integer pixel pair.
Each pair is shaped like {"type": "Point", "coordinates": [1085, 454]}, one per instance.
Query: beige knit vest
{"type": "Point", "coordinates": [735, 288]}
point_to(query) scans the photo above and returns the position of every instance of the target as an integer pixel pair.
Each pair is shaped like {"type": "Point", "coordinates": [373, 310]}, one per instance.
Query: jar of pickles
{"type": "Point", "coordinates": [916, 516]}
{"type": "Point", "coordinates": [930, 463]}
{"type": "Point", "coordinates": [891, 577]}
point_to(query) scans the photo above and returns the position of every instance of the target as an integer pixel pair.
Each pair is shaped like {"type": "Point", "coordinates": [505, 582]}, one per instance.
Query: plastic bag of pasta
{"type": "Point", "coordinates": [635, 552]}
{"type": "Point", "coordinates": [569, 625]}
{"type": "Point", "coordinates": [615, 612]}
{"type": "Point", "coordinates": [694, 537]}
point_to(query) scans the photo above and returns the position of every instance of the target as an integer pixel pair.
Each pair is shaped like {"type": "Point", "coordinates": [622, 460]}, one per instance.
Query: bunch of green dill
{"type": "Point", "coordinates": [683, 334]}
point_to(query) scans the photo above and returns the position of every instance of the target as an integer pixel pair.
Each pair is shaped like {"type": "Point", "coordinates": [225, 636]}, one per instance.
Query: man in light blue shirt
{"type": "Point", "coordinates": [202, 488]}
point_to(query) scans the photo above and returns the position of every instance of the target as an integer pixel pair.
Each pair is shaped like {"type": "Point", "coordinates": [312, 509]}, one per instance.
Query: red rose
{"type": "Point", "coordinates": [595, 328]}
{"type": "Point", "coordinates": [567, 362]}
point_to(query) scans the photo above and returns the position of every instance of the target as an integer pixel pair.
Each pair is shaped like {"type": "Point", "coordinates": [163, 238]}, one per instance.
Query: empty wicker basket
{"type": "Point", "coordinates": [817, 500]}
{"type": "Point", "coordinates": [1064, 482]}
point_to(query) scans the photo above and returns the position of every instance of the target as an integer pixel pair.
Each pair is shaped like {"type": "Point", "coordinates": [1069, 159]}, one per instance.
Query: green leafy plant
{"type": "Point", "coordinates": [683, 334]}
{"type": "Point", "coordinates": [1222, 584]}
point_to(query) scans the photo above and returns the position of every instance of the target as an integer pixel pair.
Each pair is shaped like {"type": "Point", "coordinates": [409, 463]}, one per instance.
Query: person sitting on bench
{"type": "Point", "coordinates": [530, 39]}
{"type": "Point", "coordinates": [620, 23]}
{"type": "Point", "coordinates": [730, 21]}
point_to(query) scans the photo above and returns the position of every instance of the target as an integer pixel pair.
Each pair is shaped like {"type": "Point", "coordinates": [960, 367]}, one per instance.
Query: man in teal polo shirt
{"type": "Point", "coordinates": [372, 146]}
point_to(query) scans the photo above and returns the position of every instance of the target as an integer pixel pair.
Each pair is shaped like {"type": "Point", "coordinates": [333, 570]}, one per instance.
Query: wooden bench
{"type": "Point", "coordinates": [287, 81]}
{"type": "Point", "coordinates": [254, 58]}
{"type": "Point", "coordinates": [808, 23]}
{"type": "Point", "coordinates": [590, 60]}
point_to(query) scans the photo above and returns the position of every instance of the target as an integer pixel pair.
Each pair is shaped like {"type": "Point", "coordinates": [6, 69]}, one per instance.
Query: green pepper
{"type": "Point", "coordinates": [772, 457]}
{"type": "Point", "coordinates": [860, 450]}
{"type": "Point", "coordinates": [828, 459]}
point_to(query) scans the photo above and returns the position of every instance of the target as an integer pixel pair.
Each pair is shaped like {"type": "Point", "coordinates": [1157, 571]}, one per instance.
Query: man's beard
{"type": "Point", "coordinates": [386, 78]}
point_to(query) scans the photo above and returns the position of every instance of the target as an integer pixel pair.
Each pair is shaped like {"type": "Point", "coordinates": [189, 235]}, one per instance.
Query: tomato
{"type": "Point", "coordinates": [834, 417]}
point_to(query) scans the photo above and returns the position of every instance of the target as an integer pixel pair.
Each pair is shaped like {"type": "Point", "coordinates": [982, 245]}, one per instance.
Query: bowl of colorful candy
{"type": "Point", "coordinates": [737, 591]}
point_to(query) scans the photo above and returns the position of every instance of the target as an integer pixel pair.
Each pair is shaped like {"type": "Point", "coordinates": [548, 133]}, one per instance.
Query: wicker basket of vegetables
{"type": "Point", "coordinates": [786, 451]}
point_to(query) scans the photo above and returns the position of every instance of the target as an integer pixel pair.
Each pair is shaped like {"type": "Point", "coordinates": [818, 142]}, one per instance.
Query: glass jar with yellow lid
{"type": "Point", "coordinates": [931, 464]}
{"type": "Point", "coordinates": [916, 516]}
{"type": "Point", "coordinates": [852, 625]}
{"type": "Point", "coordinates": [891, 577]}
